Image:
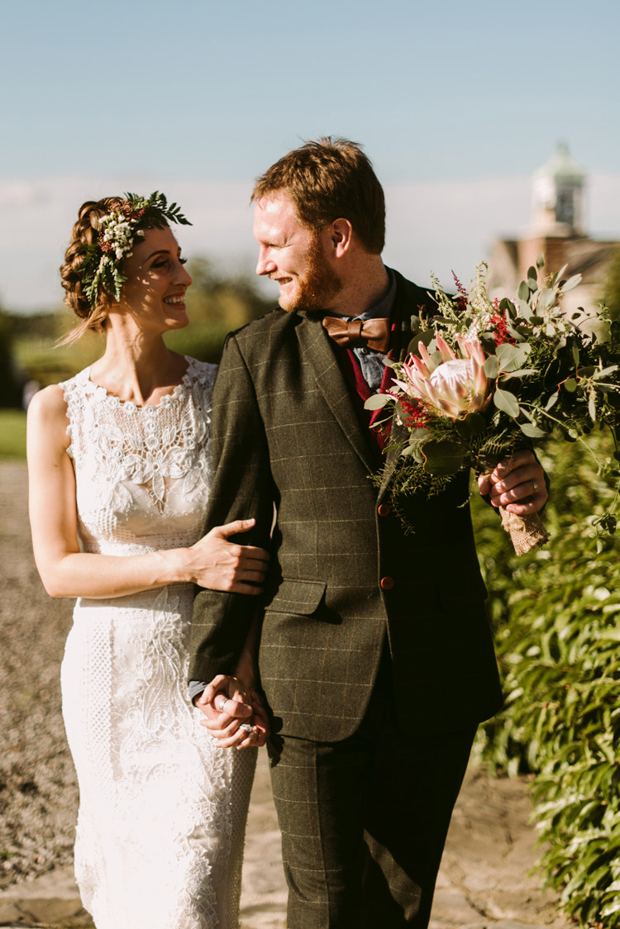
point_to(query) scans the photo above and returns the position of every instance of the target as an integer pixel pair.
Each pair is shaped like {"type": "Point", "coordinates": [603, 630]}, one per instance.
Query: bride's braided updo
{"type": "Point", "coordinates": [103, 236]}
{"type": "Point", "coordinates": [84, 234]}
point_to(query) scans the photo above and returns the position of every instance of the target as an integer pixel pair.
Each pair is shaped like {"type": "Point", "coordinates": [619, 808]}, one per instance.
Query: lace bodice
{"type": "Point", "coordinates": [142, 473]}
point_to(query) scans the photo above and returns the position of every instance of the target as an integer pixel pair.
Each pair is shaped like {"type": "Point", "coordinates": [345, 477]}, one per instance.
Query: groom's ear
{"type": "Point", "coordinates": [341, 234]}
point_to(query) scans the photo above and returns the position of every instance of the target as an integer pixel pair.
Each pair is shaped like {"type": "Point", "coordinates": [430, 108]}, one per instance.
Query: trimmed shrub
{"type": "Point", "coordinates": [557, 620]}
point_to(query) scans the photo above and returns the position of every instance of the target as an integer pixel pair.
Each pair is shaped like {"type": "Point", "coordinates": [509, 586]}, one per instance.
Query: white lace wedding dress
{"type": "Point", "coordinates": [162, 808]}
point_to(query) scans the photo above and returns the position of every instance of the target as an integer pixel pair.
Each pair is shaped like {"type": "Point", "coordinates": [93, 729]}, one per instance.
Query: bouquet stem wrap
{"type": "Point", "coordinates": [526, 532]}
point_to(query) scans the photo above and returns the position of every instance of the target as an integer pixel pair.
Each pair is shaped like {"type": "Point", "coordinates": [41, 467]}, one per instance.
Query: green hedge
{"type": "Point", "coordinates": [557, 620]}
{"type": "Point", "coordinates": [12, 434]}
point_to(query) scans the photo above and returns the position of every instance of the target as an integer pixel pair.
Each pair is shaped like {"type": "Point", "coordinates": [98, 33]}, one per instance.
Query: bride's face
{"type": "Point", "coordinates": [154, 292]}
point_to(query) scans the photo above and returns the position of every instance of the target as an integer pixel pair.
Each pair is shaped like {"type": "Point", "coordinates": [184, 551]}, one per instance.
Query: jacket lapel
{"type": "Point", "coordinates": [317, 351]}
{"type": "Point", "coordinates": [409, 298]}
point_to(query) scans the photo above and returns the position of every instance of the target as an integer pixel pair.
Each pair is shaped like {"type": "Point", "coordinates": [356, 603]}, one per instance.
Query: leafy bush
{"type": "Point", "coordinates": [217, 302]}
{"type": "Point", "coordinates": [12, 434]}
{"type": "Point", "coordinates": [557, 620]}
{"type": "Point", "coordinates": [611, 291]}
{"type": "Point", "coordinates": [10, 382]}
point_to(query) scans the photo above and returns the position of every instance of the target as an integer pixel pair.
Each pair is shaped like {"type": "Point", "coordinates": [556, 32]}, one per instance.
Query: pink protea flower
{"type": "Point", "coordinates": [454, 385]}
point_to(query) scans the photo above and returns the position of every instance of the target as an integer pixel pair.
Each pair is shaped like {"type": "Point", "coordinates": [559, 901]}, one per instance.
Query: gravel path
{"type": "Point", "coordinates": [38, 794]}
{"type": "Point", "coordinates": [484, 881]}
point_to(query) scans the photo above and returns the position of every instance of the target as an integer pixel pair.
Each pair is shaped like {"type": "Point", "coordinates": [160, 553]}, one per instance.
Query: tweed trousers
{"type": "Point", "coordinates": [364, 820]}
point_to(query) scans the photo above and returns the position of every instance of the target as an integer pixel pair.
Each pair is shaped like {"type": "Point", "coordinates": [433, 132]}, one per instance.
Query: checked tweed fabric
{"type": "Point", "coordinates": [292, 450]}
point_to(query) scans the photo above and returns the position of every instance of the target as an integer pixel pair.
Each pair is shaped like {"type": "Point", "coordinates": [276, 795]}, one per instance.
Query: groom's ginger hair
{"type": "Point", "coordinates": [328, 180]}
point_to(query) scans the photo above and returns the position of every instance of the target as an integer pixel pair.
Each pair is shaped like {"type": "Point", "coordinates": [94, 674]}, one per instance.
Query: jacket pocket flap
{"type": "Point", "coordinates": [296, 596]}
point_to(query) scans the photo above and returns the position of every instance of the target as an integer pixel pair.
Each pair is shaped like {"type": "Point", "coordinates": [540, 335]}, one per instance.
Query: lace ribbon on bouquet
{"type": "Point", "coordinates": [526, 532]}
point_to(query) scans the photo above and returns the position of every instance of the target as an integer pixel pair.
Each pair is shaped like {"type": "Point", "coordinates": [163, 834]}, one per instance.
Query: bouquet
{"type": "Point", "coordinates": [484, 378]}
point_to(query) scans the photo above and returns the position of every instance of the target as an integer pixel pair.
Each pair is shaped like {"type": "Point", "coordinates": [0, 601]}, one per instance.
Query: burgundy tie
{"type": "Point", "coordinates": [374, 332]}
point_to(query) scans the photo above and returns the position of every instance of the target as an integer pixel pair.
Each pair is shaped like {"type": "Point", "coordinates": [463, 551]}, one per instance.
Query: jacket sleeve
{"type": "Point", "coordinates": [242, 488]}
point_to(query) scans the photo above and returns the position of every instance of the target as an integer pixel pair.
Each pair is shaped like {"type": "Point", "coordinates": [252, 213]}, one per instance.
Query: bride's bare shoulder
{"type": "Point", "coordinates": [47, 413]}
{"type": "Point", "coordinates": [48, 401]}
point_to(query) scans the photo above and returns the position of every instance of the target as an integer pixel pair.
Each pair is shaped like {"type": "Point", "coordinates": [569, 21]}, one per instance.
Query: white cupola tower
{"type": "Point", "coordinates": [558, 195]}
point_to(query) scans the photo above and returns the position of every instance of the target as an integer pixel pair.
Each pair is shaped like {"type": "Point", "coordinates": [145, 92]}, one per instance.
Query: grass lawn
{"type": "Point", "coordinates": [12, 434]}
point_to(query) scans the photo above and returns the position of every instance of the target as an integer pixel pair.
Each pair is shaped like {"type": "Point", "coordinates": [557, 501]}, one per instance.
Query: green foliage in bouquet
{"type": "Point", "coordinates": [485, 377]}
{"type": "Point", "coordinates": [557, 620]}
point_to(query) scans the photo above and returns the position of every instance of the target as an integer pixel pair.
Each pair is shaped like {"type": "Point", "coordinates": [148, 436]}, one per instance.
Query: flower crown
{"type": "Point", "coordinates": [116, 238]}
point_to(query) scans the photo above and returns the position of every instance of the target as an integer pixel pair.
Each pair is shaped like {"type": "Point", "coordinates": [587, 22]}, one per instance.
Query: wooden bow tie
{"type": "Point", "coordinates": [374, 332]}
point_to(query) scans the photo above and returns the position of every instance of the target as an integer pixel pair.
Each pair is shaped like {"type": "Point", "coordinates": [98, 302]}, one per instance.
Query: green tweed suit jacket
{"type": "Point", "coordinates": [291, 448]}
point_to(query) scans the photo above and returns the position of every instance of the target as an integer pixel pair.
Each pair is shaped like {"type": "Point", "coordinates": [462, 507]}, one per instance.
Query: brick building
{"type": "Point", "coordinates": [557, 230]}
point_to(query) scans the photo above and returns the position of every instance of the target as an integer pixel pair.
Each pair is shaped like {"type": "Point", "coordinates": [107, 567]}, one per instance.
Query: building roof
{"type": "Point", "coordinates": [561, 166]}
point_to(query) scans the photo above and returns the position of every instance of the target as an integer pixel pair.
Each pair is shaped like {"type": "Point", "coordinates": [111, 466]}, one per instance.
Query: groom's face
{"type": "Point", "coordinates": [293, 255]}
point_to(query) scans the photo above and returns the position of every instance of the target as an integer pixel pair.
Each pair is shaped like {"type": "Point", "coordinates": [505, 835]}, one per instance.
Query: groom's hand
{"type": "Point", "coordinates": [517, 483]}
{"type": "Point", "coordinates": [228, 710]}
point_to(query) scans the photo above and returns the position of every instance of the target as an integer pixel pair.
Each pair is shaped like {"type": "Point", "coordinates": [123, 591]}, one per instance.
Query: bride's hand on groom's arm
{"type": "Point", "coordinates": [216, 563]}
{"type": "Point", "coordinates": [233, 715]}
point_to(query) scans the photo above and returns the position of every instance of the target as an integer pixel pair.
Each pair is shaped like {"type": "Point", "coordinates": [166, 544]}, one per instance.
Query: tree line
{"type": "Point", "coordinates": [217, 303]}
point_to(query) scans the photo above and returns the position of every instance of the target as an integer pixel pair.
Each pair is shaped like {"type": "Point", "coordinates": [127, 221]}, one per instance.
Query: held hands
{"type": "Point", "coordinates": [234, 716]}
{"type": "Point", "coordinates": [517, 483]}
{"type": "Point", "coordinates": [218, 564]}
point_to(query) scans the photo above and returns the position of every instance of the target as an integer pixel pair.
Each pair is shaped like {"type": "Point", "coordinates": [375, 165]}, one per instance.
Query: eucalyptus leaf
{"type": "Point", "coordinates": [604, 372]}
{"type": "Point", "coordinates": [506, 353]}
{"type": "Point", "coordinates": [523, 372]}
{"type": "Point", "coordinates": [506, 402]}
{"type": "Point", "coordinates": [507, 306]}
{"type": "Point", "coordinates": [540, 261]}
{"type": "Point", "coordinates": [570, 385]}
{"type": "Point", "coordinates": [511, 357]}
{"type": "Point", "coordinates": [491, 367]}
{"type": "Point", "coordinates": [592, 406]}
{"type": "Point", "coordinates": [377, 401]}
{"type": "Point", "coordinates": [523, 291]}
{"type": "Point", "coordinates": [514, 332]}
{"type": "Point", "coordinates": [546, 298]}
{"type": "Point", "coordinates": [426, 337]}
{"type": "Point", "coordinates": [532, 273]}
{"type": "Point", "coordinates": [533, 432]}
{"type": "Point", "coordinates": [571, 283]}
{"type": "Point", "coordinates": [551, 402]}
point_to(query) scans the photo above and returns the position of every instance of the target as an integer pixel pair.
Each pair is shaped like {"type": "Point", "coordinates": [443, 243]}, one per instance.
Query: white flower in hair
{"type": "Point", "coordinates": [117, 234]}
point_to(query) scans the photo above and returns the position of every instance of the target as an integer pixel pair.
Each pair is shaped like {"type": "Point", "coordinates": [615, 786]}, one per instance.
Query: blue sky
{"type": "Point", "coordinates": [167, 92]}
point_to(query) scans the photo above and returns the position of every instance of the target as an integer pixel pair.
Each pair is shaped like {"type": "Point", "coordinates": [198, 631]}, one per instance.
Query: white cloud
{"type": "Point", "coordinates": [434, 226]}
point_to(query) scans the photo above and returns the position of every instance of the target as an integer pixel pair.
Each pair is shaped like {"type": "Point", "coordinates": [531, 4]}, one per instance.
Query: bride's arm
{"type": "Point", "coordinates": [213, 562]}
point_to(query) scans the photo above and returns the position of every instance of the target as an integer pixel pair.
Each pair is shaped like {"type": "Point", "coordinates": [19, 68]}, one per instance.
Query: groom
{"type": "Point", "coordinates": [376, 658]}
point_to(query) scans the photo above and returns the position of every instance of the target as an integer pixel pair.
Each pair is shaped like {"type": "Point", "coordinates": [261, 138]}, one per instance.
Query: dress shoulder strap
{"type": "Point", "coordinates": [74, 390]}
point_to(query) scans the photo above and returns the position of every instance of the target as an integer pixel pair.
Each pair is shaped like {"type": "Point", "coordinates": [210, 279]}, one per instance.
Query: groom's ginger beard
{"type": "Point", "coordinates": [317, 287]}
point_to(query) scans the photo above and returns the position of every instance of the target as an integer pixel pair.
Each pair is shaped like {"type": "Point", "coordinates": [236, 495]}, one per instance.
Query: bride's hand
{"type": "Point", "coordinates": [218, 564]}
{"type": "Point", "coordinates": [233, 716]}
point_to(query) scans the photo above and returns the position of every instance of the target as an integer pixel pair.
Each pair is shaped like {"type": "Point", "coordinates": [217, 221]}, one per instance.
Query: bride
{"type": "Point", "coordinates": [119, 481]}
